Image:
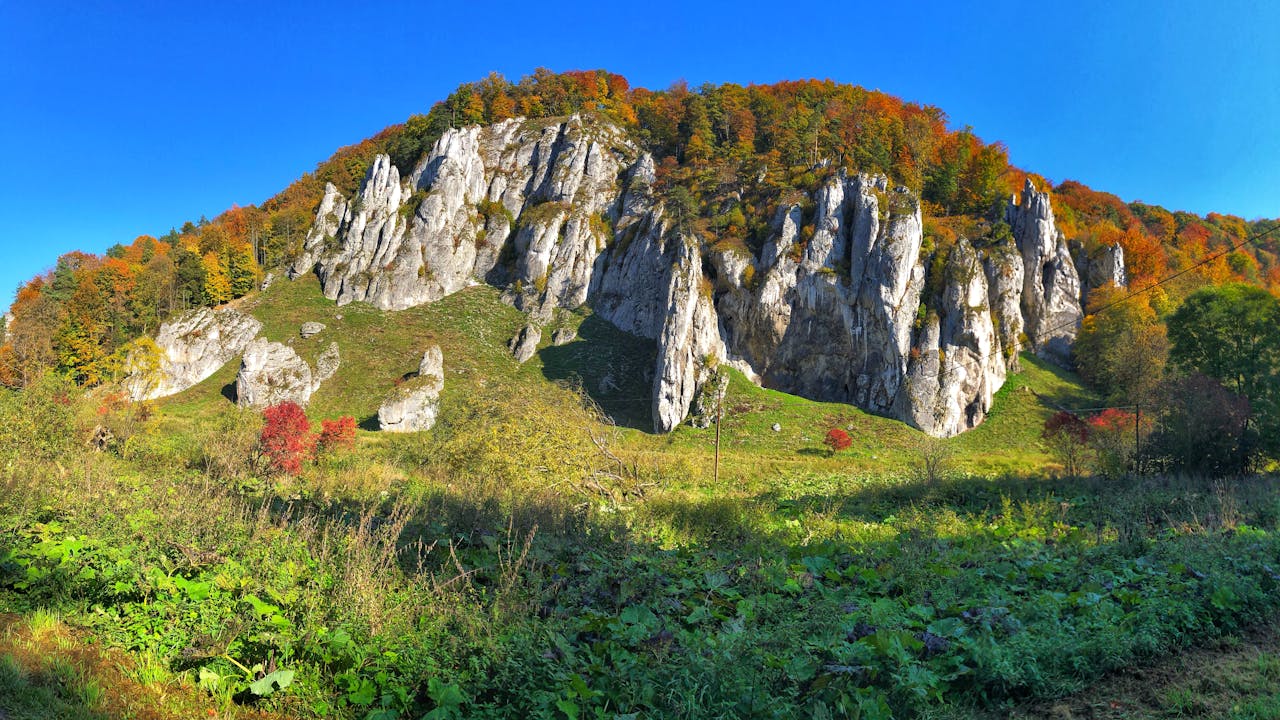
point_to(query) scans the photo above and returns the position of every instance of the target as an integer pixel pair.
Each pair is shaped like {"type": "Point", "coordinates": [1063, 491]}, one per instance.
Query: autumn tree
{"type": "Point", "coordinates": [1203, 429]}
{"type": "Point", "coordinates": [836, 440]}
{"type": "Point", "coordinates": [1122, 346]}
{"type": "Point", "coordinates": [337, 434]}
{"type": "Point", "coordinates": [217, 283]}
{"type": "Point", "coordinates": [1066, 434]}
{"type": "Point", "coordinates": [1113, 436]}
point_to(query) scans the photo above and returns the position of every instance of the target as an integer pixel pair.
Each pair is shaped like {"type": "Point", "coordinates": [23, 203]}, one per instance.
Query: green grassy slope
{"type": "Point", "coordinates": [614, 369]}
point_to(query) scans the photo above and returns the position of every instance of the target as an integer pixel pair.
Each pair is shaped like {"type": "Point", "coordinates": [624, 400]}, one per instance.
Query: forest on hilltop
{"type": "Point", "coordinates": [726, 155]}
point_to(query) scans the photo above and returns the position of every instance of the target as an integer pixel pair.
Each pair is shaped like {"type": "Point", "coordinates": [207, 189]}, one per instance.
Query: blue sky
{"type": "Point", "coordinates": [124, 118]}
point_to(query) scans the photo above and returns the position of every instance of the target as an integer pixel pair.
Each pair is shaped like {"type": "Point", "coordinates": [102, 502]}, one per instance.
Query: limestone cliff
{"type": "Point", "coordinates": [1051, 283]}
{"type": "Point", "coordinates": [191, 347]}
{"type": "Point", "coordinates": [837, 303]}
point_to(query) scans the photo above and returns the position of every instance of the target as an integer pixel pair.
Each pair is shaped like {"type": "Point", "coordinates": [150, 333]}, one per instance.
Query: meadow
{"type": "Point", "coordinates": [538, 554]}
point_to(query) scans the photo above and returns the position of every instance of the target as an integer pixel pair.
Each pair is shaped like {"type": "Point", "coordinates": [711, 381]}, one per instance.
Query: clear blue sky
{"type": "Point", "coordinates": [124, 118]}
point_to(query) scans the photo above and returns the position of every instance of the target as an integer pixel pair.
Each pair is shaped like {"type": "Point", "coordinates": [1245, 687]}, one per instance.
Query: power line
{"type": "Point", "coordinates": [1252, 239]}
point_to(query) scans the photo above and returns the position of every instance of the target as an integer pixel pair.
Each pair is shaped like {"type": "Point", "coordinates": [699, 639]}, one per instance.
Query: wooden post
{"type": "Point", "coordinates": [719, 414]}
{"type": "Point", "coordinates": [1137, 441]}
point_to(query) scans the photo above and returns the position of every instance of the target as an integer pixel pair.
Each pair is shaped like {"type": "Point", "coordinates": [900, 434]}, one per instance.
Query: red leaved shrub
{"type": "Point", "coordinates": [286, 439]}
{"type": "Point", "coordinates": [837, 439]}
{"type": "Point", "coordinates": [335, 434]}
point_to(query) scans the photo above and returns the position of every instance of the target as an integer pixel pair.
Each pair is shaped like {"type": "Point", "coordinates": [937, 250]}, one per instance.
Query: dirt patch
{"type": "Point", "coordinates": [1237, 677]}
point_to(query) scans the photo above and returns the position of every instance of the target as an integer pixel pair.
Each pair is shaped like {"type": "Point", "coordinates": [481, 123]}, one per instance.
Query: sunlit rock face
{"type": "Point", "coordinates": [415, 405]}
{"type": "Point", "coordinates": [191, 347]}
{"type": "Point", "coordinates": [564, 214]}
{"type": "Point", "coordinates": [272, 373]}
{"type": "Point", "coordinates": [1051, 284]}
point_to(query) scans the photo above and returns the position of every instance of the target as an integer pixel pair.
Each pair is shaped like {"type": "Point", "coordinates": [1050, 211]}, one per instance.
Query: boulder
{"type": "Point", "coordinates": [414, 405]}
{"type": "Point", "coordinates": [309, 329]}
{"type": "Point", "coordinates": [327, 364]}
{"type": "Point", "coordinates": [525, 342]}
{"type": "Point", "coordinates": [563, 336]}
{"type": "Point", "coordinates": [432, 363]}
{"type": "Point", "coordinates": [187, 350]}
{"type": "Point", "coordinates": [272, 373]}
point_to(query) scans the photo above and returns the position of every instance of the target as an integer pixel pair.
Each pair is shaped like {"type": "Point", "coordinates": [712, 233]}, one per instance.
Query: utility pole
{"type": "Point", "coordinates": [1137, 440]}
{"type": "Point", "coordinates": [719, 414]}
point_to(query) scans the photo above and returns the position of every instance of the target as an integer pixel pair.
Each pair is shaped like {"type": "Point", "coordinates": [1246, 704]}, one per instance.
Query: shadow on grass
{"type": "Point", "coordinates": [614, 368]}
{"type": "Point", "coordinates": [39, 693]}
{"type": "Point", "coordinates": [590, 563]}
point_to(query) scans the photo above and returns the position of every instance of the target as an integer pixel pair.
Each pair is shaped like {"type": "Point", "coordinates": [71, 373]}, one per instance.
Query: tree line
{"type": "Point", "coordinates": [727, 155]}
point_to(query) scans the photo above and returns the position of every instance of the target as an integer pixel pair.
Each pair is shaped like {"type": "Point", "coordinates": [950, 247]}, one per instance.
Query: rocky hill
{"type": "Point", "coordinates": [825, 240]}
{"type": "Point", "coordinates": [565, 214]}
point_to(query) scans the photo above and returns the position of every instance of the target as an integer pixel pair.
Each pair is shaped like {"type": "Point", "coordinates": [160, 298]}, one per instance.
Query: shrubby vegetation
{"type": "Point", "coordinates": [508, 566]}
{"type": "Point", "coordinates": [546, 574]}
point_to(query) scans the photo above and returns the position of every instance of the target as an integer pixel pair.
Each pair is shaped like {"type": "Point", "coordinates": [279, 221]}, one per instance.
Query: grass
{"type": "Point", "coordinates": [50, 670]}
{"type": "Point", "coordinates": [524, 559]}
{"type": "Point", "coordinates": [377, 349]}
{"type": "Point", "coordinates": [1236, 677]}
{"type": "Point", "coordinates": [614, 369]}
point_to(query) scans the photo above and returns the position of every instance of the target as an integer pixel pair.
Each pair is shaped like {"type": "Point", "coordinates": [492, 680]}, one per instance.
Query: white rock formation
{"type": "Point", "coordinates": [957, 364]}
{"type": "Point", "coordinates": [525, 342]}
{"type": "Point", "coordinates": [403, 243]}
{"type": "Point", "coordinates": [327, 364]}
{"type": "Point", "coordinates": [191, 348]}
{"type": "Point", "coordinates": [1102, 267]}
{"type": "Point", "coordinates": [415, 405]}
{"type": "Point", "coordinates": [272, 373]}
{"type": "Point", "coordinates": [564, 214]}
{"type": "Point", "coordinates": [1050, 284]}
{"type": "Point", "coordinates": [690, 336]}
{"type": "Point", "coordinates": [309, 329]}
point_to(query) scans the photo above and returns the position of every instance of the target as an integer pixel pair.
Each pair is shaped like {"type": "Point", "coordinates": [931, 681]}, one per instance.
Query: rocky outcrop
{"type": "Point", "coordinates": [323, 236]}
{"type": "Point", "coordinates": [956, 365]}
{"type": "Point", "coordinates": [690, 337]}
{"type": "Point", "coordinates": [1104, 266]}
{"type": "Point", "coordinates": [272, 373]}
{"type": "Point", "coordinates": [327, 364]}
{"type": "Point", "coordinates": [525, 343]}
{"type": "Point", "coordinates": [563, 336]}
{"type": "Point", "coordinates": [832, 319]}
{"type": "Point", "coordinates": [187, 350]}
{"type": "Point", "coordinates": [1051, 285]}
{"type": "Point", "coordinates": [1003, 266]}
{"type": "Point", "coordinates": [836, 304]}
{"type": "Point", "coordinates": [414, 406]}
{"type": "Point", "coordinates": [309, 329]}
{"type": "Point", "coordinates": [543, 188]}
